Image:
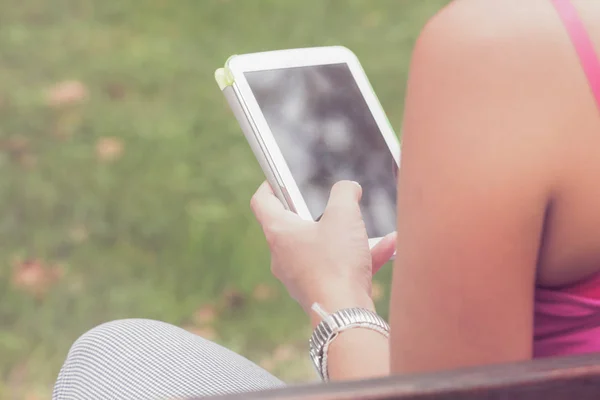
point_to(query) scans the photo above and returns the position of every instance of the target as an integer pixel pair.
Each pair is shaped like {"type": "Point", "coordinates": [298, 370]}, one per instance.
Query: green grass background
{"type": "Point", "coordinates": [163, 229]}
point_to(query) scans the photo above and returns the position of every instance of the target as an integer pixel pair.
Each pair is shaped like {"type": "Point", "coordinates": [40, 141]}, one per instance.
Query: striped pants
{"type": "Point", "coordinates": [151, 360]}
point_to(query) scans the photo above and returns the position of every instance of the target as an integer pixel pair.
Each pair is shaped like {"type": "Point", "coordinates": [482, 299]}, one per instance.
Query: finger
{"type": "Point", "coordinates": [265, 204]}
{"type": "Point", "coordinates": [383, 251]}
{"type": "Point", "coordinates": [344, 198]}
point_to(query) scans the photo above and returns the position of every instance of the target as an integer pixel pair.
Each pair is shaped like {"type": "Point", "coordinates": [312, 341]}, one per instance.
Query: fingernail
{"type": "Point", "coordinates": [357, 184]}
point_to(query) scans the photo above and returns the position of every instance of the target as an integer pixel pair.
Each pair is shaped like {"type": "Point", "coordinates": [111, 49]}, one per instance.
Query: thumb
{"type": "Point", "coordinates": [383, 251]}
{"type": "Point", "coordinates": [343, 200]}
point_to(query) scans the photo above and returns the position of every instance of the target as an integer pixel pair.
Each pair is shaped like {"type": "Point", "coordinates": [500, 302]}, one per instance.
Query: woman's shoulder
{"type": "Point", "coordinates": [531, 30]}
{"type": "Point", "coordinates": [487, 26]}
{"type": "Point", "coordinates": [494, 19]}
{"type": "Point", "coordinates": [496, 61]}
{"type": "Point", "coordinates": [499, 67]}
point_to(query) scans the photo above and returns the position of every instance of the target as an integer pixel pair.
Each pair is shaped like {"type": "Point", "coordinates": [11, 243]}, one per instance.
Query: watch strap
{"type": "Point", "coordinates": [330, 327]}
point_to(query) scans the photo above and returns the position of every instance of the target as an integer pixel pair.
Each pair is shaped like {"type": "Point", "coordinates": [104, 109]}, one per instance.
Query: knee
{"type": "Point", "coordinates": [101, 355]}
{"type": "Point", "coordinates": [113, 338]}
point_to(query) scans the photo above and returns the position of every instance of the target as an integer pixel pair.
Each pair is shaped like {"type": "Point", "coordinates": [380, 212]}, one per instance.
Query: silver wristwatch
{"type": "Point", "coordinates": [332, 325]}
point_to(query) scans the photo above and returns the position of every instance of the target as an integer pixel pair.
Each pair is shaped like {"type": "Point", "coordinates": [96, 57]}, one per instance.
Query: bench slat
{"type": "Point", "coordinates": [570, 378]}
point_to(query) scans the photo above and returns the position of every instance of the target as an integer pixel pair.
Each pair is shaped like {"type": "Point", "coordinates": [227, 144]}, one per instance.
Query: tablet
{"type": "Point", "coordinates": [312, 118]}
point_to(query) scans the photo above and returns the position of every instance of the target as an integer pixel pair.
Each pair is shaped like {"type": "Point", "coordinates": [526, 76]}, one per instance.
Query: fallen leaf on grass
{"type": "Point", "coordinates": [267, 364]}
{"type": "Point", "coordinates": [27, 160]}
{"type": "Point", "coordinates": [233, 299]}
{"type": "Point", "coordinates": [115, 91]}
{"type": "Point", "coordinates": [109, 149]}
{"type": "Point", "coordinates": [263, 292]}
{"type": "Point", "coordinates": [35, 277]}
{"type": "Point", "coordinates": [19, 150]}
{"type": "Point", "coordinates": [33, 396]}
{"type": "Point", "coordinates": [205, 315]}
{"type": "Point", "coordinates": [66, 93]}
{"type": "Point", "coordinates": [282, 354]}
{"type": "Point", "coordinates": [78, 234]}
{"type": "Point", "coordinates": [285, 352]}
{"type": "Point", "coordinates": [15, 145]}
{"type": "Point", "coordinates": [377, 291]}
{"type": "Point", "coordinates": [205, 332]}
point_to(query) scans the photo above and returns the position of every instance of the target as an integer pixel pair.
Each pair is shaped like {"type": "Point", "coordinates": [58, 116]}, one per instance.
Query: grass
{"type": "Point", "coordinates": [126, 180]}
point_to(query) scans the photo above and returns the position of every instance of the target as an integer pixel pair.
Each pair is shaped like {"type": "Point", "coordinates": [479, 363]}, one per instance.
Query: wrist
{"type": "Point", "coordinates": [338, 299]}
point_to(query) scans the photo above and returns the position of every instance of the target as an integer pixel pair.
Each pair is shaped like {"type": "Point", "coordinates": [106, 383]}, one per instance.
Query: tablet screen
{"type": "Point", "coordinates": [326, 133]}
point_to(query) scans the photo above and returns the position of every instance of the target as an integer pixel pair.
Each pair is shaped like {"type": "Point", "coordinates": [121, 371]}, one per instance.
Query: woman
{"type": "Point", "coordinates": [498, 236]}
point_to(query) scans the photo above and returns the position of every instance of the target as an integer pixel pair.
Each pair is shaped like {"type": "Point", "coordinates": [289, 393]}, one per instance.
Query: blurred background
{"type": "Point", "coordinates": [125, 179]}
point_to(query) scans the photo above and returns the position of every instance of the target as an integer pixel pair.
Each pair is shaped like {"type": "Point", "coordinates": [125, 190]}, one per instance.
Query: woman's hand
{"type": "Point", "coordinates": [327, 261]}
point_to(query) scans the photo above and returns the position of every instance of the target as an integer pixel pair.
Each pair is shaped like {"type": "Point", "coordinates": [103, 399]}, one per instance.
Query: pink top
{"type": "Point", "coordinates": [567, 319]}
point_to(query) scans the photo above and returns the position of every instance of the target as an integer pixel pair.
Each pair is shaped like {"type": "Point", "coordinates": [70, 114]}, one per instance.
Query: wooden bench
{"type": "Point", "coordinates": [570, 378]}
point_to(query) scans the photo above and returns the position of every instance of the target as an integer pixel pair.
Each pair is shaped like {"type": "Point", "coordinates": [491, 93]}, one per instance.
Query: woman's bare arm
{"type": "Point", "coordinates": [477, 176]}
